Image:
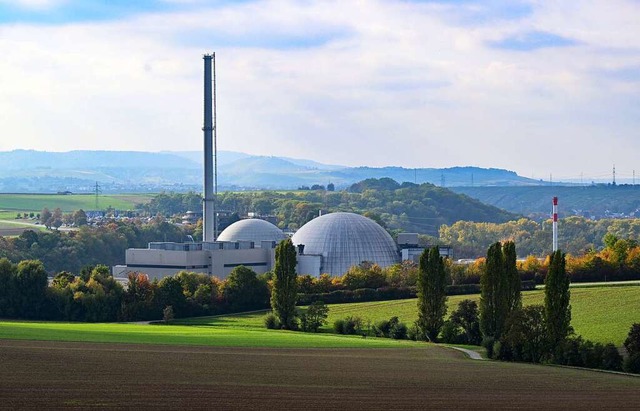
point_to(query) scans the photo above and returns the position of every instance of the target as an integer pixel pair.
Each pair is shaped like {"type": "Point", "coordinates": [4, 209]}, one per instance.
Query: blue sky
{"type": "Point", "coordinates": [536, 87]}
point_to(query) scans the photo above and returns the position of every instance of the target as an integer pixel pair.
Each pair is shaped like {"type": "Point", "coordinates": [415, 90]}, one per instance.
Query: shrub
{"type": "Point", "coordinates": [487, 343]}
{"type": "Point", "coordinates": [393, 328]}
{"type": "Point", "coordinates": [632, 364]}
{"type": "Point", "coordinates": [383, 328]}
{"type": "Point", "coordinates": [524, 337]}
{"type": "Point", "coordinates": [399, 331]}
{"type": "Point", "coordinates": [271, 321]}
{"type": "Point", "coordinates": [498, 352]}
{"type": "Point", "coordinates": [611, 358]}
{"type": "Point", "coordinates": [315, 317]}
{"type": "Point", "coordinates": [632, 343]}
{"type": "Point", "coordinates": [466, 319]}
{"type": "Point", "coordinates": [413, 333]}
{"type": "Point", "coordinates": [167, 314]}
{"type": "Point", "coordinates": [569, 352]}
{"type": "Point", "coordinates": [451, 333]}
{"type": "Point", "coordinates": [350, 325]}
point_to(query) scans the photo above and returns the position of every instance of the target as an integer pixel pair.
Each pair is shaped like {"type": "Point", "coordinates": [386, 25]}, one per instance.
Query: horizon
{"type": "Point", "coordinates": [486, 84]}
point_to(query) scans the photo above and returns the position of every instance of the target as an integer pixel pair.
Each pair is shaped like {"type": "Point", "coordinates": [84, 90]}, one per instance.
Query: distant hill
{"type": "Point", "coordinates": [597, 201]}
{"type": "Point", "coordinates": [119, 171]}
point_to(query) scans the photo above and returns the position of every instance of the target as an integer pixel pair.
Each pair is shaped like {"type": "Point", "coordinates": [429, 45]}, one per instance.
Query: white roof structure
{"type": "Point", "coordinates": [252, 229]}
{"type": "Point", "coordinates": [345, 240]}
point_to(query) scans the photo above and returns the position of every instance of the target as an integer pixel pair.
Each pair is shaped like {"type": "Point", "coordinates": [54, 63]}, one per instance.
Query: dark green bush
{"type": "Point", "coordinates": [352, 325]}
{"type": "Point", "coordinates": [632, 364]}
{"type": "Point", "coordinates": [413, 333]}
{"type": "Point", "coordinates": [487, 343]}
{"type": "Point", "coordinates": [451, 333]}
{"type": "Point", "coordinates": [399, 332]}
{"type": "Point", "coordinates": [632, 343]}
{"type": "Point", "coordinates": [349, 326]}
{"type": "Point", "coordinates": [611, 358]}
{"type": "Point", "coordinates": [271, 321]}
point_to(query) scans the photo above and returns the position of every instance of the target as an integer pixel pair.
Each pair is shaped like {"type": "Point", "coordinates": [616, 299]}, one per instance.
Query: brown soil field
{"type": "Point", "coordinates": [52, 375]}
{"type": "Point", "coordinates": [10, 232]}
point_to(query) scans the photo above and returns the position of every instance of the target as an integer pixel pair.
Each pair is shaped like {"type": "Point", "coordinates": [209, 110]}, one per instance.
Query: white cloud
{"type": "Point", "coordinates": [375, 83]}
{"type": "Point", "coordinates": [34, 4]}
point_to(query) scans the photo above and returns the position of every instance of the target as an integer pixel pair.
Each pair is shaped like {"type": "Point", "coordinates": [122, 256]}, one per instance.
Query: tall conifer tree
{"type": "Point", "coordinates": [432, 296]}
{"type": "Point", "coordinates": [493, 293]}
{"type": "Point", "coordinates": [514, 284]}
{"type": "Point", "coordinates": [284, 291]}
{"type": "Point", "coordinates": [556, 299]}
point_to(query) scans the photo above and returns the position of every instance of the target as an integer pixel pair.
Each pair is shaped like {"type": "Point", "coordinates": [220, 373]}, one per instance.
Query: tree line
{"type": "Point", "coordinates": [93, 295]}
{"type": "Point", "coordinates": [509, 331]}
{"type": "Point", "coordinates": [404, 207]}
{"type": "Point", "coordinates": [104, 244]}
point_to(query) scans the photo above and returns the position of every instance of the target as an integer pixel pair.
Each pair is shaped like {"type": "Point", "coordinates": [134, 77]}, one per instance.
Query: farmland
{"type": "Point", "coordinates": [202, 362]}
{"type": "Point", "coordinates": [50, 374]}
{"type": "Point", "coordinates": [13, 204]}
{"type": "Point", "coordinates": [19, 203]}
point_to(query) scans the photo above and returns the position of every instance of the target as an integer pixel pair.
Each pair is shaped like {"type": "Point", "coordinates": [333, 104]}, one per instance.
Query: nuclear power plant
{"type": "Point", "coordinates": [330, 243]}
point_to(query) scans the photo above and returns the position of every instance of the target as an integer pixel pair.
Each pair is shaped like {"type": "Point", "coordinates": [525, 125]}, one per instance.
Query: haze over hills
{"type": "Point", "coordinates": [122, 171]}
{"type": "Point", "coordinates": [593, 201]}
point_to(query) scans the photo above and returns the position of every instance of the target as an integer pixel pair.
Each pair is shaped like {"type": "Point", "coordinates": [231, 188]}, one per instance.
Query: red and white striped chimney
{"type": "Point", "coordinates": [555, 224]}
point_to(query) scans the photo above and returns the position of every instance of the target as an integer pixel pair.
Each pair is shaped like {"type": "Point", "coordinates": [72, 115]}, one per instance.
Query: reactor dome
{"type": "Point", "coordinates": [345, 240]}
{"type": "Point", "coordinates": [252, 229]}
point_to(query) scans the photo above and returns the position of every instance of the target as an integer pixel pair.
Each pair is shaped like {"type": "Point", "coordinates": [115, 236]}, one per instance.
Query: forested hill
{"type": "Point", "coordinates": [591, 201]}
{"type": "Point", "coordinates": [405, 207]}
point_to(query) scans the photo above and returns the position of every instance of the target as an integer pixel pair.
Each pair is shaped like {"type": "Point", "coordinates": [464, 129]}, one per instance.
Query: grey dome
{"type": "Point", "coordinates": [345, 240]}
{"type": "Point", "coordinates": [252, 229]}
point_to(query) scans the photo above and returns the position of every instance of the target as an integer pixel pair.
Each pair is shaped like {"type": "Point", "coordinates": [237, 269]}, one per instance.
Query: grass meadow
{"type": "Point", "coordinates": [221, 334]}
{"type": "Point", "coordinates": [602, 314]}
{"type": "Point", "coordinates": [11, 204]}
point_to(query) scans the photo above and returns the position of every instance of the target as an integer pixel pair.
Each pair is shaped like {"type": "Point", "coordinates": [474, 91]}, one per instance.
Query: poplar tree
{"type": "Point", "coordinates": [284, 291]}
{"type": "Point", "coordinates": [556, 299]}
{"type": "Point", "coordinates": [432, 296]}
{"type": "Point", "coordinates": [514, 293]}
{"type": "Point", "coordinates": [493, 293]}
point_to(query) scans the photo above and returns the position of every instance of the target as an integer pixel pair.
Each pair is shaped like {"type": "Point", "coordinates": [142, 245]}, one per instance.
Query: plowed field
{"type": "Point", "coordinates": [49, 375]}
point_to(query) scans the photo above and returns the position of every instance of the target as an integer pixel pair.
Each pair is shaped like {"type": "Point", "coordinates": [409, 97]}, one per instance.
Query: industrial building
{"type": "Point", "coordinates": [331, 243]}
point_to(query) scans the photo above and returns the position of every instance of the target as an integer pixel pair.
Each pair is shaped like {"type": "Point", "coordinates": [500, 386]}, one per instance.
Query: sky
{"type": "Point", "coordinates": [549, 89]}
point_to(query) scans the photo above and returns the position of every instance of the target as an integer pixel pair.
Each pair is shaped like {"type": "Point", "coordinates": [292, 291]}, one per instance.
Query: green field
{"type": "Point", "coordinates": [223, 334]}
{"type": "Point", "coordinates": [603, 314]}
{"type": "Point", "coordinates": [11, 204]}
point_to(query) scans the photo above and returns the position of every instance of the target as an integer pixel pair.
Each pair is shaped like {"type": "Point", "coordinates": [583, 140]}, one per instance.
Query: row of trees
{"type": "Point", "coordinates": [536, 333]}
{"type": "Point", "coordinates": [500, 298]}
{"type": "Point", "coordinates": [106, 244]}
{"type": "Point", "coordinates": [94, 295]}
{"type": "Point", "coordinates": [57, 218]}
{"type": "Point", "coordinates": [401, 207]}
{"type": "Point", "coordinates": [577, 235]}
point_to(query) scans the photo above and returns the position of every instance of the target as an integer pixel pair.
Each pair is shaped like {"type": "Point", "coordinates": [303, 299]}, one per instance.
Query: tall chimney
{"type": "Point", "coordinates": [208, 206]}
{"type": "Point", "coordinates": [555, 224]}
